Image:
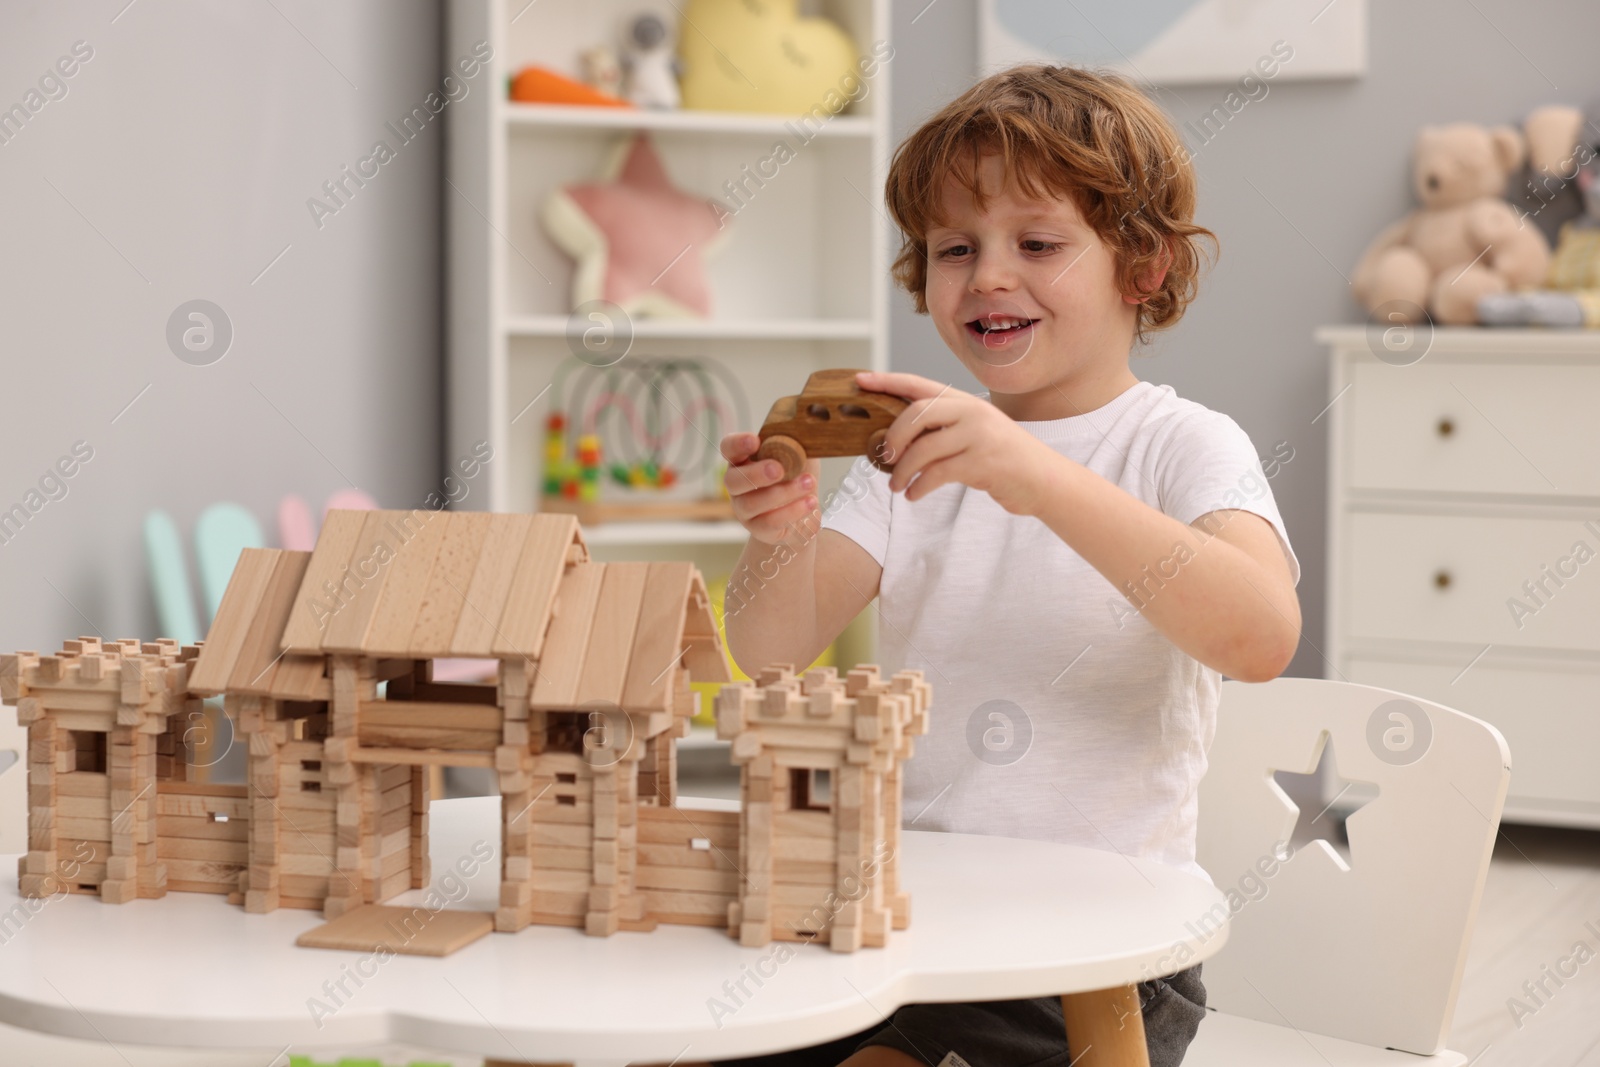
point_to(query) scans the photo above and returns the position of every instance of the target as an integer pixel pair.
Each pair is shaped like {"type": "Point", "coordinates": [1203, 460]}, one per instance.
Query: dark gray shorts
{"type": "Point", "coordinates": [1010, 1033]}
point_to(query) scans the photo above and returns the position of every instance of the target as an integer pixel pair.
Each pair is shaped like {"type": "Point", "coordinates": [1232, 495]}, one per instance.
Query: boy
{"type": "Point", "coordinates": [1075, 560]}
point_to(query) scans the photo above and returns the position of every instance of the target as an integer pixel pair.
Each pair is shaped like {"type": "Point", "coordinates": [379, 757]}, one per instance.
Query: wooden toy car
{"type": "Point", "coordinates": [832, 416]}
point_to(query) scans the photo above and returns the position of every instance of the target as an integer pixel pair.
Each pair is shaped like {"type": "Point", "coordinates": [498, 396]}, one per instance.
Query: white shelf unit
{"type": "Point", "coordinates": [801, 283]}
{"type": "Point", "coordinates": [718, 329]}
{"type": "Point", "coordinates": [1453, 481]}
{"type": "Point", "coordinates": [536, 115]}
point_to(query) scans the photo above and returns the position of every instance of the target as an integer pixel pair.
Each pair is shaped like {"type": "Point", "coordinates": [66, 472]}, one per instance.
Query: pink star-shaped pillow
{"type": "Point", "coordinates": [640, 242]}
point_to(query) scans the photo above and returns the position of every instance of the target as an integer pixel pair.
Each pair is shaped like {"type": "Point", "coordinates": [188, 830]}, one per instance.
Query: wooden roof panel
{"type": "Point", "coordinates": [446, 592]}
{"type": "Point", "coordinates": [241, 602]}
{"type": "Point", "coordinates": [329, 559]}
{"type": "Point", "coordinates": [491, 585]}
{"type": "Point", "coordinates": [260, 659]}
{"type": "Point", "coordinates": [526, 616]}
{"type": "Point", "coordinates": [369, 565]}
{"type": "Point", "coordinates": [555, 685]}
{"type": "Point", "coordinates": [616, 616]}
{"type": "Point", "coordinates": [658, 639]}
{"type": "Point", "coordinates": [400, 598]}
{"type": "Point", "coordinates": [300, 677]}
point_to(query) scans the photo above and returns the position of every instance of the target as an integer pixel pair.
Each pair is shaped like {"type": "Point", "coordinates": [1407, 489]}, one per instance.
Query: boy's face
{"type": "Point", "coordinates": [1025, 296]}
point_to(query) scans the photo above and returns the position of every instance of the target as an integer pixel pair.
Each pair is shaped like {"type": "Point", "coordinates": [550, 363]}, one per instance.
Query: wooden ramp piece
{"type": "Point", "coordinates": [407, 931]}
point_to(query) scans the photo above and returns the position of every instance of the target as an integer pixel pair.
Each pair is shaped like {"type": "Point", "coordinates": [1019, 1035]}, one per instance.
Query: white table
{"type": "Point", "coordinates": [992, 918]}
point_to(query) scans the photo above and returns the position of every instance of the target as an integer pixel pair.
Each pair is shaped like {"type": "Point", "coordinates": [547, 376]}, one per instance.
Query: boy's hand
{"type": "Point", "coordinates": [976, 444]}
{"type": "Point", "coordinates": [763, 502]}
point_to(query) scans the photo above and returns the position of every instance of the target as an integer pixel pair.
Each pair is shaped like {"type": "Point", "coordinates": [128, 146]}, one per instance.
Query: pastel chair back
{"type": "Point", "coordinates": [296, 531]}
{"type": "Point", "coordinates": [169, 579]}
{"type": "Point", "coordinates": [1368, 951]}
{"type": "Point", "coordinates": [220, 534]}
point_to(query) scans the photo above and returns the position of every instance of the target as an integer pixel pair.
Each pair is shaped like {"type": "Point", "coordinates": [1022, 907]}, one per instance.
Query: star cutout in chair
{"type": "Point", "coordinates": [640, 242]}
{"type": "Point", "coordinates": [1326, 825]}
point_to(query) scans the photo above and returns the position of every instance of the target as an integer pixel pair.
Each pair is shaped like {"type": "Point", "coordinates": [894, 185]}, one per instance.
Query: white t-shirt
{"type": "Point", "coordinates": [1058, 711]}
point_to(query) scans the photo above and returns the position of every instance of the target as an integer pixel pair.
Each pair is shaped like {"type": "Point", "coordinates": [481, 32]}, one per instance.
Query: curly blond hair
{"type": "Point", "coordinates": [1068, 132]}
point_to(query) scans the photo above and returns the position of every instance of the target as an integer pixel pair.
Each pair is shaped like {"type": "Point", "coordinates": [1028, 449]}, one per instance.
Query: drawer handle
{"type": "Point", "coordinates": [1446, 427]}
{"type": "Point", "coordinates": [1441, 579]}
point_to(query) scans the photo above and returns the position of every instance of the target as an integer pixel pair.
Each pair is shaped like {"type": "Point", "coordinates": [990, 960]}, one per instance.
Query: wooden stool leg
{"type": "Point", "coordinates": [1105, 1028]}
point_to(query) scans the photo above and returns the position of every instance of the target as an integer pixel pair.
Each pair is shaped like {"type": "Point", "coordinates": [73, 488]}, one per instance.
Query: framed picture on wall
{"type": "Point", "coordinates": [1179, 42]}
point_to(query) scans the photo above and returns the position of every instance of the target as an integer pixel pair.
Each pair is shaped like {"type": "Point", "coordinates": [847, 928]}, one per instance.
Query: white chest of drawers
{"type": "Point", "coordinates": [1464, 541]}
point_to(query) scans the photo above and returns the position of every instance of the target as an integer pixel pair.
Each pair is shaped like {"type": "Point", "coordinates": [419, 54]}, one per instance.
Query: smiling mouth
{"type": "Point", "coordinates": [1000, 325]}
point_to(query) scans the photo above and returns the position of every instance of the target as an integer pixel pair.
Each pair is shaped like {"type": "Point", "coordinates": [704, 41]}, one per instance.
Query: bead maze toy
{"type": "Point", "coordinates": [324, 662]}
{"type": "Point", "coordinates": [638, 442]}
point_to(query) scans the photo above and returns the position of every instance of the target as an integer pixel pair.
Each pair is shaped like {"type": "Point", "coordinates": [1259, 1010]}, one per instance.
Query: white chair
{"type": "Point", "coordinates": [1329, 964]}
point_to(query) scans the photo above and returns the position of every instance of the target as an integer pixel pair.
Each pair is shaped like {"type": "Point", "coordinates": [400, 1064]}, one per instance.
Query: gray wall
{"type": "Point", "coordinates": [178, 166]}
{"type": "Point", "coordinates": [180, 161]}
{"type": "Point", "coordinates": [1330, 166]}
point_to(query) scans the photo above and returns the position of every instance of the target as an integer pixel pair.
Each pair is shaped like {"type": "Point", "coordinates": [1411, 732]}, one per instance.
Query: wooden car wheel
{"type": "Point", "coordinates": [877, 444]}
{"type": "Point", "coordinates": [787, 451]}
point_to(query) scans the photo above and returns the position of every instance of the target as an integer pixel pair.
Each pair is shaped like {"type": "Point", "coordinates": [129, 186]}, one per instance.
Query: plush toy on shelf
{"type": "Point", "coordinates": [1560, 138]}
{"type": "Point", "coordinates": [652, 70]}
{"type": "Point", "coordinates": [1564, 151]}
{"type": "Point", "coordinates": [602, 70]}
{"type": "Point", "coordinates": [636, 441]}
{"type": "Point", "coordinates": [537, 85]}
{"type": "Point", "coordinates": [640, 243]}
{"type": "Point", "coordinates": [1572, 294]}
{"type": "Point", "coordinates": [764, 57]}
{"type": "Point", "coordinates": [1464, 242]}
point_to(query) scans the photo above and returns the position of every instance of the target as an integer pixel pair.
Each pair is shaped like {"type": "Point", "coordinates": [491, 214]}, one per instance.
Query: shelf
{"type": "Point", "coordinates": [665, 533]}
{"type": "Point", "coordinates": [544, 116]}
{"type": "Point", "coordinates": [802, 284]}
{"type": "Point", "coordinates": [708, 329]}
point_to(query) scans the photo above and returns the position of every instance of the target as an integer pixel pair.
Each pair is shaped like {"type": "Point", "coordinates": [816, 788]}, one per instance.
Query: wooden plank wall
{"type": "Point", "coordinates": [804, 867]}
{"type": "Point", "coordinates": [393, 785]}
{"type": "Point", "coordinates": [82, 825]}
{"type": "Point", "coordinates": [559, 870]}
{"type": "Point", "coordinates": [202, 835]}
{"type": "Point", "coordinates": [681, 883]}
{"type": "Point", "coordinates": [301, 844]}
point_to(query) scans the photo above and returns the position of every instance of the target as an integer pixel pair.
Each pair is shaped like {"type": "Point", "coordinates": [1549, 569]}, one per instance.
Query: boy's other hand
{"type": "Point", "coordinates": [977, 444]}
{"type": "Point", "coordinates": [763, 502]}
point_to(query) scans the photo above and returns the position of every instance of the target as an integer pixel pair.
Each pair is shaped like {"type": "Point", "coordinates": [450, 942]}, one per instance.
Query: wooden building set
{"type": "Point", "coordinates": [323, 661]}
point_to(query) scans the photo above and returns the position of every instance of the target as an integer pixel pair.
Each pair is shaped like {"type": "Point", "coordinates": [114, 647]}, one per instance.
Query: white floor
{"type": "Point", "coordinates": [1541, 901]}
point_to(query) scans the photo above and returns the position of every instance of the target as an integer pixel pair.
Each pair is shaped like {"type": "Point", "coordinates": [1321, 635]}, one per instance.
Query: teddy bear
{"type": "Point", "coordinates": [1544, 191]}
{"type": "Point", "coordinates": [1564, 159]}
{"type": "Point", "coordinates": [1464, 242]}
